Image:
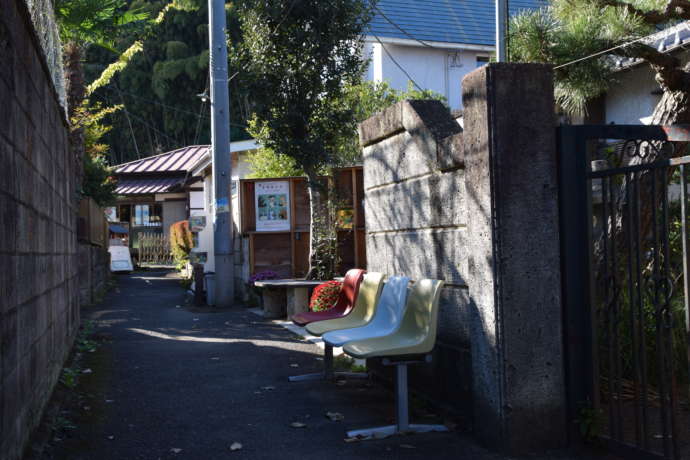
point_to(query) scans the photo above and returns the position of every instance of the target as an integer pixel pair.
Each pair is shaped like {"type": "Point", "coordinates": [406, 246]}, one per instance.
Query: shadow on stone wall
{"type": "Point", "coordinates": [479, 209]}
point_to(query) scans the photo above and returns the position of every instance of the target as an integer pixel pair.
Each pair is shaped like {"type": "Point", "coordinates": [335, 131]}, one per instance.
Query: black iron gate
{"type": "Point", "coordinates": [624, 205]}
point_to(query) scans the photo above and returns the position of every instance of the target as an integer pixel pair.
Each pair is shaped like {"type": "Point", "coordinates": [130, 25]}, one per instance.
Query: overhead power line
{"type": "Point", "coordinates": [177, 109]}
{"type": "Point", "coordinates": [144, 122]}
{"type": "Point", "coordinates": [398, 64]}
{"type": "Point", "coordinates": [197, 132]}
{"type": "Point", "coordinates": [599, 53]}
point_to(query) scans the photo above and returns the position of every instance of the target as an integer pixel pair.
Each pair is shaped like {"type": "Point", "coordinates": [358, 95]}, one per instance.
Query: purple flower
{"type": "Point", "coordinates": [262, 276]}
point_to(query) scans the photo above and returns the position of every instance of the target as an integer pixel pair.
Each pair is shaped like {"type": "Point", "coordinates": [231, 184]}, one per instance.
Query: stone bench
{"type": "Point", "coordinates": [285, 297]}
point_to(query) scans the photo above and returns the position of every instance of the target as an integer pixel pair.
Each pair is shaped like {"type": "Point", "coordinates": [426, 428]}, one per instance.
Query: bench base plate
{"type": "Point", "coordinates": [391, 430]}
{"type": "Point", "coordinates": [324, 376]}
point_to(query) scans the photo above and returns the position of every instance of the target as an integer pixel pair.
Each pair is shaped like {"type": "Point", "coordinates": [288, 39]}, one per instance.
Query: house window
{"type": "Point", "coordinates": [148, 215]}
{"type": "Point", "coordinates": [482, 61]}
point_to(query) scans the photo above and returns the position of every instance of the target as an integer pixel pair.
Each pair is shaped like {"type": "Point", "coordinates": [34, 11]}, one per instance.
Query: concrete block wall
{"type": "Point", "coordinates": [39, 288]}
{"type": "Point", "coordinates": [414, 182]}
{"type": "Point", "coordinates": [478, 208]}
{"type": "Point", "coordinates": [94, 272]}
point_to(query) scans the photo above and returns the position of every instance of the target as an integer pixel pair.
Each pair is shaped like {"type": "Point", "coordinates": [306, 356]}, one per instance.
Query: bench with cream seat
{"type": "Point", "coordinates": [365, 305]}
{"type": "Point", "coordinates": [361, 314]}
{"type": "Point", "coordinates": [386, 319]}
{"type": "Point", "coordinates": [415, 336]}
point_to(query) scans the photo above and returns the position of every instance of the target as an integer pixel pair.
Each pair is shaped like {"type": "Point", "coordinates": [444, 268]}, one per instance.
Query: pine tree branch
{"type": "Point", "coordinates": [675, 9]}
{"type": "Point", "coordinates": [669, 73]}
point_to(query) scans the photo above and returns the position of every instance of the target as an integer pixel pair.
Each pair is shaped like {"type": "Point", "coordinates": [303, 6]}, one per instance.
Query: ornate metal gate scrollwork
{"type": "Point", "coordinates": [624, 197]}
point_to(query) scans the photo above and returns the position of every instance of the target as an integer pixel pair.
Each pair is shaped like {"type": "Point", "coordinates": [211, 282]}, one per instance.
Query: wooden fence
{"type": "Point", "coordinates": [154, 249]}
{"type": "Point", "coordinates": [92, 226]}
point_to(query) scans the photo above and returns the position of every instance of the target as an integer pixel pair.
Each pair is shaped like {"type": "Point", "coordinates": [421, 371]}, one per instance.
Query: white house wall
{"type": "Point", "coordinates": [240, 170]}
{"type": "Point", "coordinates": [436, 69]}
{"type": "Point", "coordinates": [630, 99]}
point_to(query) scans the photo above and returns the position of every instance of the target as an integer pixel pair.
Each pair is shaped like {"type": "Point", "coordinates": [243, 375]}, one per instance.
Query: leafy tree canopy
{"type": "Point", "coordinates": [98, 181]}
{"type": "Point", "coordinates": [363, 100]}
{"type": "Point", "coordinates": [297, 59]}
{"type": "Point", "coordinates": [159, 88]}
{"type": "Point", "coordinates": [94, 21]}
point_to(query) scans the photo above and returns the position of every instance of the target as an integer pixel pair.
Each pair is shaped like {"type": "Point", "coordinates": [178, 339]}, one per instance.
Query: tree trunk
{"type": "Point", "coordinates": [318, 227]}
{"type": "Point", "coordinates": [74, 78]}
{"type": "Point", "coordinates": [673, 108]}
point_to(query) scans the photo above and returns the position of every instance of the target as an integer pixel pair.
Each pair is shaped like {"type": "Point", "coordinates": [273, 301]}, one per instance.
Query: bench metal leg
{"type": "Point", "coordinates": [328, 361]}
{"type": "Point", "coordinates": [402, 425]}
{"type": "Point", "coordinates": [328, 372]}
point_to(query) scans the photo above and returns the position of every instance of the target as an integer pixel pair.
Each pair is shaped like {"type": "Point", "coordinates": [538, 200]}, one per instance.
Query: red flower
{"type": "Point", "coordinates": [325, 296]}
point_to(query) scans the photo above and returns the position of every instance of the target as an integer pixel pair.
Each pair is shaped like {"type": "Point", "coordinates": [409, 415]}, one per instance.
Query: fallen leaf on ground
{"type": "Point", "coordinates": [341, 383]}
{"type": "Point", "coordinates": [298, 425]}
{"type": "Point", "coordinates": [111, 437]}
{"type": "Point", "coordinates": [87, 371]}
{"type": "Point", "coordinates": [108, 401]}
{"type": "Point", "coordinates": [257, 392]}
{"type": "Point", "coordinates": [195, 319]}
{"type": "Point", "coordinates": [294, 365]}
{"type": "Point", "coordinates": [87, 407]}
{"type": "Point", "coordinates": [354, 439]}
{"type": "Point", "coordinates": [215, 358]}
{"type": "Point", "coordinates": [175, 450]}
{"type": "Point", "coordinates": [268, 388]}
{"type": "Point", "coordinates": [335, 416]}
{"type": "Point", "coordinates": [235, 446]}
{"type": "Point", "coordinates": [407, 446]}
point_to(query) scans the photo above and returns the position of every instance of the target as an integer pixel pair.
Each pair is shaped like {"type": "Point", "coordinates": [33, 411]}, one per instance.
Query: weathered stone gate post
{"type": "Point", "coordinates": [513, 270]}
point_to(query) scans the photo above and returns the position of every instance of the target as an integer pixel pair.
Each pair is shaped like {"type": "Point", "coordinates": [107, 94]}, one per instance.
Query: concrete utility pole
{"type": "Point", "coordinates": [501, 27]}
{"type": "Point", "coordinates": [222, 169]}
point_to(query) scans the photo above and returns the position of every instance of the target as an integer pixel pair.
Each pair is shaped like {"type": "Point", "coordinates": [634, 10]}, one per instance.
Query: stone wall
{"type": "Point", "coordinates": [39, 291]}
{"type": "Point", "coordinates": [479, 209]}
{"type": "Point", "coordinates": [416, 225]}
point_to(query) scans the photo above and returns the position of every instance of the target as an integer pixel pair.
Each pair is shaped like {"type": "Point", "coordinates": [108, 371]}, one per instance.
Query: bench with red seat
{"type": "Point", "coordinates": [342, 307]}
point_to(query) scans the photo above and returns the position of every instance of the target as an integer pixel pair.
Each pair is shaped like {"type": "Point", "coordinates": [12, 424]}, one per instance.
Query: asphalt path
{"type": "Point", "coordinates": [174, 382]}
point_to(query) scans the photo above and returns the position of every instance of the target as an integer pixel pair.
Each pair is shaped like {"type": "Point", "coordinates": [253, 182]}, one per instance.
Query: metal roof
{"type": "Point", "coordinates": [669, 40]}
{"type": "Point", "coordinates": [180, 160]}
{"type": "Point", "coordinates": [145, 186]}
{"type": "Point", "coordinates": [469, 22]}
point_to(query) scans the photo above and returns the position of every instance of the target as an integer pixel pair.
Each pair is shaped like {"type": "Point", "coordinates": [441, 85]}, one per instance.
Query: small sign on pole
{"type": "Point", "coordinates": [197, 223]}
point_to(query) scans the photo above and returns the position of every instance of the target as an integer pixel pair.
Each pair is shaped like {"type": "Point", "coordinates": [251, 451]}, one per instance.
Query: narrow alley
{"type": "Point", "coordinates": [171, 382]}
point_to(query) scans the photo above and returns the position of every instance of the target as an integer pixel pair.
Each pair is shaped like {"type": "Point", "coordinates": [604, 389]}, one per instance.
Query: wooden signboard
{"type": "Point", "coordinates": [285, 249]}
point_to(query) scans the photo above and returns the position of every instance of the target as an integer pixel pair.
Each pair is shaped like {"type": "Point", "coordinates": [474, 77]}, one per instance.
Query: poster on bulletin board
{"type": "Point", "coordinates": [272, 201]}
